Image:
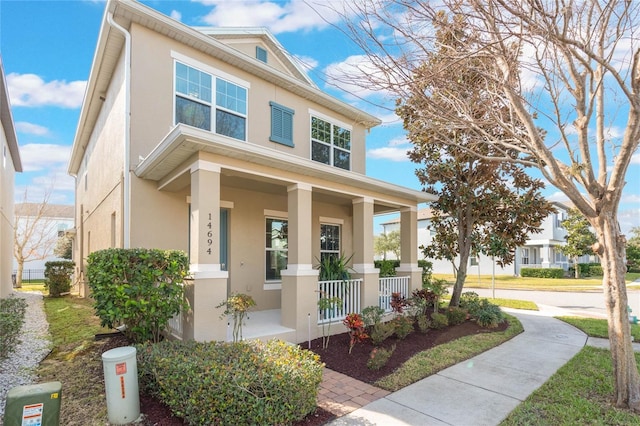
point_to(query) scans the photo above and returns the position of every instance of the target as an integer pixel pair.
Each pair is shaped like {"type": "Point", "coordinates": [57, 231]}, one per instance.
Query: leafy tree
{"type": "Point", "coordinates": [64, 246]}
{"type": "Point", "coordinates": [484, 205]}
{"type": "Point", "coordinates": [633, 248]}
{"type": "Point", "coordinates": [573, 66]}
{"type": "Point", "coordinates": [384, 243]}
{"type": "Point", "coordinates": [579, 238]}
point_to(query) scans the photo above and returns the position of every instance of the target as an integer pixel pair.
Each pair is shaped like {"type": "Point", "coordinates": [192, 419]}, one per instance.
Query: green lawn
{"type": "Point", "coordinates": [581, 391]}
{"type": "Point", "coordinates": [528, 283]}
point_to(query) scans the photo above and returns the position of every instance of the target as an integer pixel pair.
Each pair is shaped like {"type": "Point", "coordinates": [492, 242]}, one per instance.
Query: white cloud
{"type": "Point", "coordinates": [345, 76]}
{"type": "Point", "coordinates": [31, 129]}
{"type": "Point", "coordinates": [397, 154]}
{"type": "Point", "coordinates": [278, 16]}
{"type": "Point", "coordinates": [628, 219]}
{"type": "Point", "coordinates": [630, 198]}
{"type": "Point", "coordinates": [558, 196]}
{"type": "Point", "coordinates": [176, 15]}
{"type": "Point", "coordinates": [36, 157]}
{"type": "Point", "coordinates": [635, 158]}
{"type": "Point", "coordinates": [306, 62]}
{"type": "Point", "coordinates": [30, 90]}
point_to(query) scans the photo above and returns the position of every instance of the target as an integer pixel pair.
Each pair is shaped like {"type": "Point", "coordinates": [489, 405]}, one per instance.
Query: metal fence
{"type": "Point", "coordinates": [29, 275]}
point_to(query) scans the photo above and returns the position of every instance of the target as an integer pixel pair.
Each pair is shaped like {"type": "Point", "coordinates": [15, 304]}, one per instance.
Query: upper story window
{"type": "Point", "coordinates": [330, 143]}
{"type": "Point", "coordinates": [196, 100]}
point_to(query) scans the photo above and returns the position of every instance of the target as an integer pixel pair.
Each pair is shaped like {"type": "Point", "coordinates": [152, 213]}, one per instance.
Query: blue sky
{"type": "Point", "coordinates": [47, 48]}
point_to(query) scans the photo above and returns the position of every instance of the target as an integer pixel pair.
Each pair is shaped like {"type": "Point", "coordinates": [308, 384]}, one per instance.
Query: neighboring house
{"type": "Point", "coordinates": [10, 165]}
{"type": "Point", "coordinates": [540, 251]}
{"type": "Point", "coordinates": [53, 223]}
{"type": "Point", "coordinates": [214, 141]}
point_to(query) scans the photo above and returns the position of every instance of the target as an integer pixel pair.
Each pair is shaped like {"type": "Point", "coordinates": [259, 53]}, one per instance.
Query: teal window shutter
{"type": "Point", "coordinates": [281, 124]}
{"type": "Point", "coordinates": [261, 54]}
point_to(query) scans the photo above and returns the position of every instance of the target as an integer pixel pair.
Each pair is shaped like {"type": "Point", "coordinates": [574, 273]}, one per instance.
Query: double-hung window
{"type": "Point", "coordinates": [525, 256]}
{"type": "Point", "coordinates": [329, 242]}
{"type": "Point", "coordinates": [330, 143]}
{"type": "Point", "coordinates": [196, 102]}
{"type": "Point", "coordinates": [276, 248]}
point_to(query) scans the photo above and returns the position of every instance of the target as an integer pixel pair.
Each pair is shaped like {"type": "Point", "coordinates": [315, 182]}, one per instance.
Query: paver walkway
{"type": "Point", "coordinates": [341, 394]}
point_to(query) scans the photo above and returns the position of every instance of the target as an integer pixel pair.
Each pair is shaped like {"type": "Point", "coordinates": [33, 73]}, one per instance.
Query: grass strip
{"type": "Point", "coordinates": [595, 327]}
{"type": "Point", "coordinates": [579, 393]}
{"type": "Point", "coordinates": [431, 361]}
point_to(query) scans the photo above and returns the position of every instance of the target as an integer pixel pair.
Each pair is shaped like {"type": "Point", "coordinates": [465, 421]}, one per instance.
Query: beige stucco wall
{"type": "Point", "coordinates": [7, 216]}
{"type": "Point", "coordinates": [152, 100]}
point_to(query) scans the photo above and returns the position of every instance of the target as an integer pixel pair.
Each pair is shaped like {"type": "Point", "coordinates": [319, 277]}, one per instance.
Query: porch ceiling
{"type": "Point", "coordinates": [168, 164]}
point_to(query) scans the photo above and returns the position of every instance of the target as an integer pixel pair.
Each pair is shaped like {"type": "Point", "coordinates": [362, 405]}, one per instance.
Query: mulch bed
{"type": "Point", "coordinates": [336, 357]}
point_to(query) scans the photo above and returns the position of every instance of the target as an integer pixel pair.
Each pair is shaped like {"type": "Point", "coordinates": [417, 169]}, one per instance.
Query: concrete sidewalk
{"type": "Point", "coordinates": [482, 390]}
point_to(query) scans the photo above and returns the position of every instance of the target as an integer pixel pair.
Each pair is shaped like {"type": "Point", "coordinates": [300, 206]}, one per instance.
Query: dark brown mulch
{"type": "Point", "coordinates": [336, 357]}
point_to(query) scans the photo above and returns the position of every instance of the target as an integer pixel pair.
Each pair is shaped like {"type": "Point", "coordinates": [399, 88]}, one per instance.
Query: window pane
{"type": "Point", "coordinates": [320, 130]}
{"type": "Point", "coordinates": [277, 230]}
{"type": "Point", "coordinates": [193, 113]}
{"type": "Point", "coordinates": [193, 83]}
{"type": "Point", "coordinates": [330, 238]}
{"type": "Point", "coordinates": [276, 261]}
{"type": "Point", "coordinates": [341, 137]}
{"type": "Point", "coordinates": [231, 97]}
{"type": "Point", "coordinates": [341, 159]}
{"type": "Point", "coordinates": [230, 125]}
{"type": "Point", "coordinates": [321, 152]}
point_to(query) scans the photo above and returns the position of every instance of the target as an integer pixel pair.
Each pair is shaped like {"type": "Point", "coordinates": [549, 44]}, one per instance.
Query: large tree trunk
{"type": "Point", "coordinates": [611, 249]}
{"type": "Point", "coordinates": [460, 278]}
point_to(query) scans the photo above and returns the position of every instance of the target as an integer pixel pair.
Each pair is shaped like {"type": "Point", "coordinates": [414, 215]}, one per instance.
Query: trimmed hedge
{"type": "Point", "coordinates": [387, 267]}
{"type": "Point", "coordinates": [139, 288]}
{"type": "Point", "coordinates": [12, 311]}
{"type": "Point", "coordinates": [242, 383]}
{"type": "Point", "coordinates": [58, 277]}
{"type": "Point", "coordinates": [542, 272]}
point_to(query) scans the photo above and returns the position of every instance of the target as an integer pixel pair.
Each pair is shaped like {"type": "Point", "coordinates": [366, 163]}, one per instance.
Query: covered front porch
{"type": "Point", "coordinates": [232, 189]}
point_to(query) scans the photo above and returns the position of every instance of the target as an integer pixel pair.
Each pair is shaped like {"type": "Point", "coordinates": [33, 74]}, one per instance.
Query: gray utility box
{"type": "Point", "coordinates": [34, 405]}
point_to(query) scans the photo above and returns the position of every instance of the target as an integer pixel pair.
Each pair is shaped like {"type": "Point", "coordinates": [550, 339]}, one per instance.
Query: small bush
{"type": "Point", "coordinates": [251, 383]}
{"type": "Point", "coordinates": [379, 357]}
{"type": "Point", "coordinates": [470, 301]}
{"type": "Point", "coordinates": [403, 326]}
{"type": "Point", "coordinates": [58, 277]}
{"type": "Point", "coordinates": [488, 315]}
{"type": "Point", "coordinates": [542, 272]}
{"type": "Point", "coordinates": [355, 325]}
{"type": "Point", "coordinates": [423, 323]}
{"type": "Point", "coordinates": [439, 320]}
{"type": "Point", "coordinates": [387, 267]}
{"type": "Point", "coordinates": [139, 288]}
{"type": "Point", "coordinates": [456, 316]}
{"type": "Point", "coordinates": [372, 315]}
{"type": "Point", "coordinates": [596, 270]}
{"type": "Point", "coordinates": [381, 332]}
{"type": "Point", "coordinates": [12, 311]}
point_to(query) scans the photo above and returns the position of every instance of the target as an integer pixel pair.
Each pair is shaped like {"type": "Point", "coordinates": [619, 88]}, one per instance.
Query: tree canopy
{"type": "Point", "coordinates": [580, 239]}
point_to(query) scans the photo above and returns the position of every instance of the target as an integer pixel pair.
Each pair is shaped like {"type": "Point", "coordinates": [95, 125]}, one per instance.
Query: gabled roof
{"type": "Point", "coordinates": [7, 121]}
{"type": "Point", "coordinates": [111, 42]}
{"type": "Point", "coordinates": [237, 33]}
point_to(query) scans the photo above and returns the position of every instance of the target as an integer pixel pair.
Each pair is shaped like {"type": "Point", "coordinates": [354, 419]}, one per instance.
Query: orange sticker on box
{"type": "Point", "coordinates": [121, 368]}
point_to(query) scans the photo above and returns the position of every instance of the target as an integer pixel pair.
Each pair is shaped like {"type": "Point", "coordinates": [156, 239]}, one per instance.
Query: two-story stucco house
{"type": "Point", "coordinates": [214, 141]}
{"type": "Point", "coordinates": [10, 165]}
{"type": "Point", "coordinates": [540, 251]}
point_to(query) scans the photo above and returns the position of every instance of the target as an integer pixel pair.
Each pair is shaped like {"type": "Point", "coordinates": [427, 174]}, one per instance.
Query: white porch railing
{"type": "Point", "coordinates": [347, 290]}
{"type": "Point", "coordinates": [389, 285]}
{"type": "Point", "coordinates": [175, 326]}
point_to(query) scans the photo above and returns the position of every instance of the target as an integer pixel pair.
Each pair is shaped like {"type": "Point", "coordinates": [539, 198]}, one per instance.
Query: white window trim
{"type": "Point", "coordinates": [331, 120]}
{"type": "Point", "coordinates": [273, 214]}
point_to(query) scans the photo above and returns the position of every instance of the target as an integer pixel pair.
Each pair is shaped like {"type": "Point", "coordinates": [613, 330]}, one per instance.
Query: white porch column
{"type": "Point", "coordinates": [545, 256]}
{"type": "Point", "coordinates": [363, 250]}
{"type": "Point", "coordinates": [209, 287]}
{"type": "Point", "coordinates": [409, 247]}
{"type": "Point", "coordinates": [300, 279]}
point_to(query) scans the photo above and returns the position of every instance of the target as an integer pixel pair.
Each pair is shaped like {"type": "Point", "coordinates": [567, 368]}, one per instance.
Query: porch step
{"type": "Point", "coordinates": [265, 325]}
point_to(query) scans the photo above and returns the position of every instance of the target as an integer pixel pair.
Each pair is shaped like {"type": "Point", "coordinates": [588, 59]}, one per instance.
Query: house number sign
{"type": "Point", "coordinates": [209, 232]}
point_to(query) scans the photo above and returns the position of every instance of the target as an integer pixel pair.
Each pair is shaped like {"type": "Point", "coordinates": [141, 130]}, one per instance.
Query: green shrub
{"type": "Point", "coordinates": [487, 314]}
{"type": "Point", "coordinates": [387, 267]}
{"type": "Point", "coordinates": [542, 272]}
{"type": "Point", "coordinates": [57, 276]}
{"type": "Point", "coordinates": [595, 270]}
{"type": "Point", "coordinates": [439, 320]}
{"type": "Point", "coordinates": [379, 357]}
{"type": "Point", "coordinates": [381, 332]}
{"type": "Point", "coordinates": [423, 323]}
{"type": "Point", "coordinates": [456, 315]}
{"type": "Point", "coordinates": [250, 383]}
{"type": "Point", "coordinates": [470, 301]}
{"type": "Point", "coordinates": [372, 315]}
{"type": "Point", "coordinates": [138, 288]}
{"type": "Point", "coordinates": [403, 326]}
{"type": "Point", "coordinates": [12, 311]}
